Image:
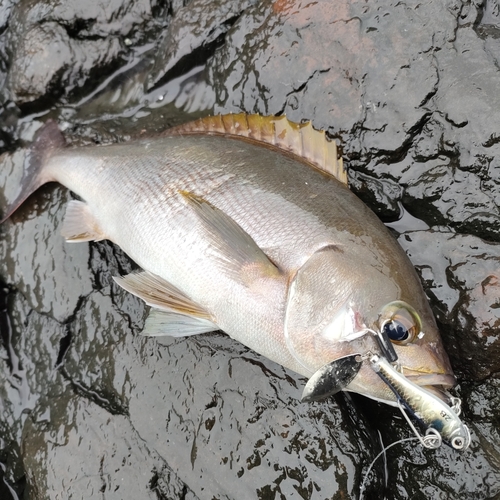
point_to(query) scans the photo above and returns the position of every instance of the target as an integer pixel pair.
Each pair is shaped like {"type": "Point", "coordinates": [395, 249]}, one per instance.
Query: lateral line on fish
{"type": "Point", "coordinates": [299, 139]}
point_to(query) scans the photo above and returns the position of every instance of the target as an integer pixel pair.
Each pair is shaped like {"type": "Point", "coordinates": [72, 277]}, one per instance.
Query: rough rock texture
{"type": "Point", "coordinates": [55, 47]}
{"type": "Point", "coordinates": [87, 404]}
{"type": "Point", "coordinates": [114, 463]}
{"type": "Point", "coordinates": [192, 31]}
{"type": "Point", "coordinates": [461, 273]}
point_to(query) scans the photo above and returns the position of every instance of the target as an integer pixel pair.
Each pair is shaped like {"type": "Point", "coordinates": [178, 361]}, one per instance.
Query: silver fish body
{"type": "Point", "coordinates": [280, 256]}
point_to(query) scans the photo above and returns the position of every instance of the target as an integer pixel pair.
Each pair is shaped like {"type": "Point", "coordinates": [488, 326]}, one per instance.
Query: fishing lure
{"type": "Point", "coordinates": [441, 421]}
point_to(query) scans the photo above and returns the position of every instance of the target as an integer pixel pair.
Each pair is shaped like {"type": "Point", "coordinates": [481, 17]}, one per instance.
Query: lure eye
{"type": "Point", "coordinates": [458, 442]}
{"type": "Point", "coordinates": [400, 322]}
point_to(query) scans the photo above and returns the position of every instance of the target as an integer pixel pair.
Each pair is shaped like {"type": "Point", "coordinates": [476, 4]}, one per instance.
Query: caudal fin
{"type": "Point", "coordinates": [47, 139]}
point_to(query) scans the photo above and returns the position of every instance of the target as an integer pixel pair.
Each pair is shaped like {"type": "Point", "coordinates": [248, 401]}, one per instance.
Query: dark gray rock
{"type": "Point", "coordinates": [461, 274]}
{"type": "Point", "coordinates": [48, 60]}
{"type": "Point", "coordinates": [410, 90]}
{"type": "Point", "coordinates": [113, 462]}
{"type": "Point", "coordinates": [54, 277]}
{"type": "Point", "coordinates": [57, 47]}
{"type": "Point", "coordinates": [27, 373]}
{"type": "Point", "coordinates": [242, 440]}
{"type": "Point", "coordinates": [5, 12]}
{"type": "Point", "coordinates": [195, 27]}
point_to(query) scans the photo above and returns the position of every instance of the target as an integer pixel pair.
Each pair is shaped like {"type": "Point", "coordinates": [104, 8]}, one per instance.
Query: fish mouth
{"type": "Point", "coordinates": [435, 383]}
{"type": "Point", "coordinates": [432, 379]}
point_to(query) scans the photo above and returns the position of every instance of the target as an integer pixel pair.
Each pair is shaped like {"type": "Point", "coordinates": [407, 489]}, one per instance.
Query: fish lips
{"type": "Point", "coordinates": [435, 383]}
{"type": "Point", "coordinates": [426, 364]}
{"type": "Point", "coordinates": [431, 379]}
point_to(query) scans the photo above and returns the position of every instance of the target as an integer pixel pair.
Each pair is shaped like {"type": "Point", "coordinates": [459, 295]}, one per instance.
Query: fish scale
{"type": "Point", "coordinates": [161, 178]}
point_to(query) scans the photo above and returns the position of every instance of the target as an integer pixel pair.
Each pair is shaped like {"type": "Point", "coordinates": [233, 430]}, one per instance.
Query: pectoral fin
{"type": "Point", "coordinates": [331, 378]}
{"type": "Point", "coordinates": [234, 248]}
{"type": "Point", "coordinates": [174, 314]}
{"type": "Point", "coordinates": [80, 225]}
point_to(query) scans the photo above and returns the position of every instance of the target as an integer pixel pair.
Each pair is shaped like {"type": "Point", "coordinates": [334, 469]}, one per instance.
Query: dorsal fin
{"type": "Point", "coordinates": [300, 139]}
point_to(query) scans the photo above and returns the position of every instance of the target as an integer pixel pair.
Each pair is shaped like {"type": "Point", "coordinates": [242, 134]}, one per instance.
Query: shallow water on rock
{"type": "Point", "coordinates": [90, 407]}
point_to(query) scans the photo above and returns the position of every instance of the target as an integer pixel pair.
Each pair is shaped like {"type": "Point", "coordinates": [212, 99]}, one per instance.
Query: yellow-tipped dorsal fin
{"type": "Point", "coordinates": [300, 139]}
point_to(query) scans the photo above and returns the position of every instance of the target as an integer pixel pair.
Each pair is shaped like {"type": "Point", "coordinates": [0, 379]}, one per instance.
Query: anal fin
{"type": "Point", "coordinates": [80, 225]}
{"type": "Point", "coordinates": [160, 323]}
{"type": "Point", "coordinates": [174, 314]}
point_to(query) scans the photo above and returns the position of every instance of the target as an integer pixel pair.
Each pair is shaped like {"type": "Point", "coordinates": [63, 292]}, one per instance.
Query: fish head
{"type": "Point", "coordinates": [338, 302]}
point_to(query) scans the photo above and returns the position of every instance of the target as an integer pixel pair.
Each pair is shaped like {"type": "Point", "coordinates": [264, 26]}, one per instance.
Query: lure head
{"type": "Point", "coordinates": [337, 299]}
{"type": "Point", "coordinates": [460, 439]}
{"type": "Point", "coordinates": [447, 423]}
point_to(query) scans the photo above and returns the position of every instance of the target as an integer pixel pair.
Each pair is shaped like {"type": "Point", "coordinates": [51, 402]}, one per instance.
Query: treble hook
{"type": "Point", "coordinates": [432, 438]}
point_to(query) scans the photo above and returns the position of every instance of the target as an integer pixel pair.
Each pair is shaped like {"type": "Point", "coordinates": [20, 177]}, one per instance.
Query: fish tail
{"type": "Point", "coordinates": [48, 139]}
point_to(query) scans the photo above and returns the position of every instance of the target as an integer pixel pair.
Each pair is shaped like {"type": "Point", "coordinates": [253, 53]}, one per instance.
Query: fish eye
{"type": "Point", "coordinates": [400, 322]}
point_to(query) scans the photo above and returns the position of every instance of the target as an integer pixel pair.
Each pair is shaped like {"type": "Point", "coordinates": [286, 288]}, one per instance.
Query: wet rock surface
{"type": "Point", "coordinates": [90, 407]}
{"type": "Point", "coordinates": [193, 30]}
{"type": "Point", "coordinates": [57, 47]}
{"type": "Point", "coordinates": [461, 274]}
{"type": "Point", "coordinates": [114, 463]}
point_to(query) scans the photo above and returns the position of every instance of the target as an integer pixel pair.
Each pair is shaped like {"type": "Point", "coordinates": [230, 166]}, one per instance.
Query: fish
{"type": "Point", "coordinates": [245, 224]}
